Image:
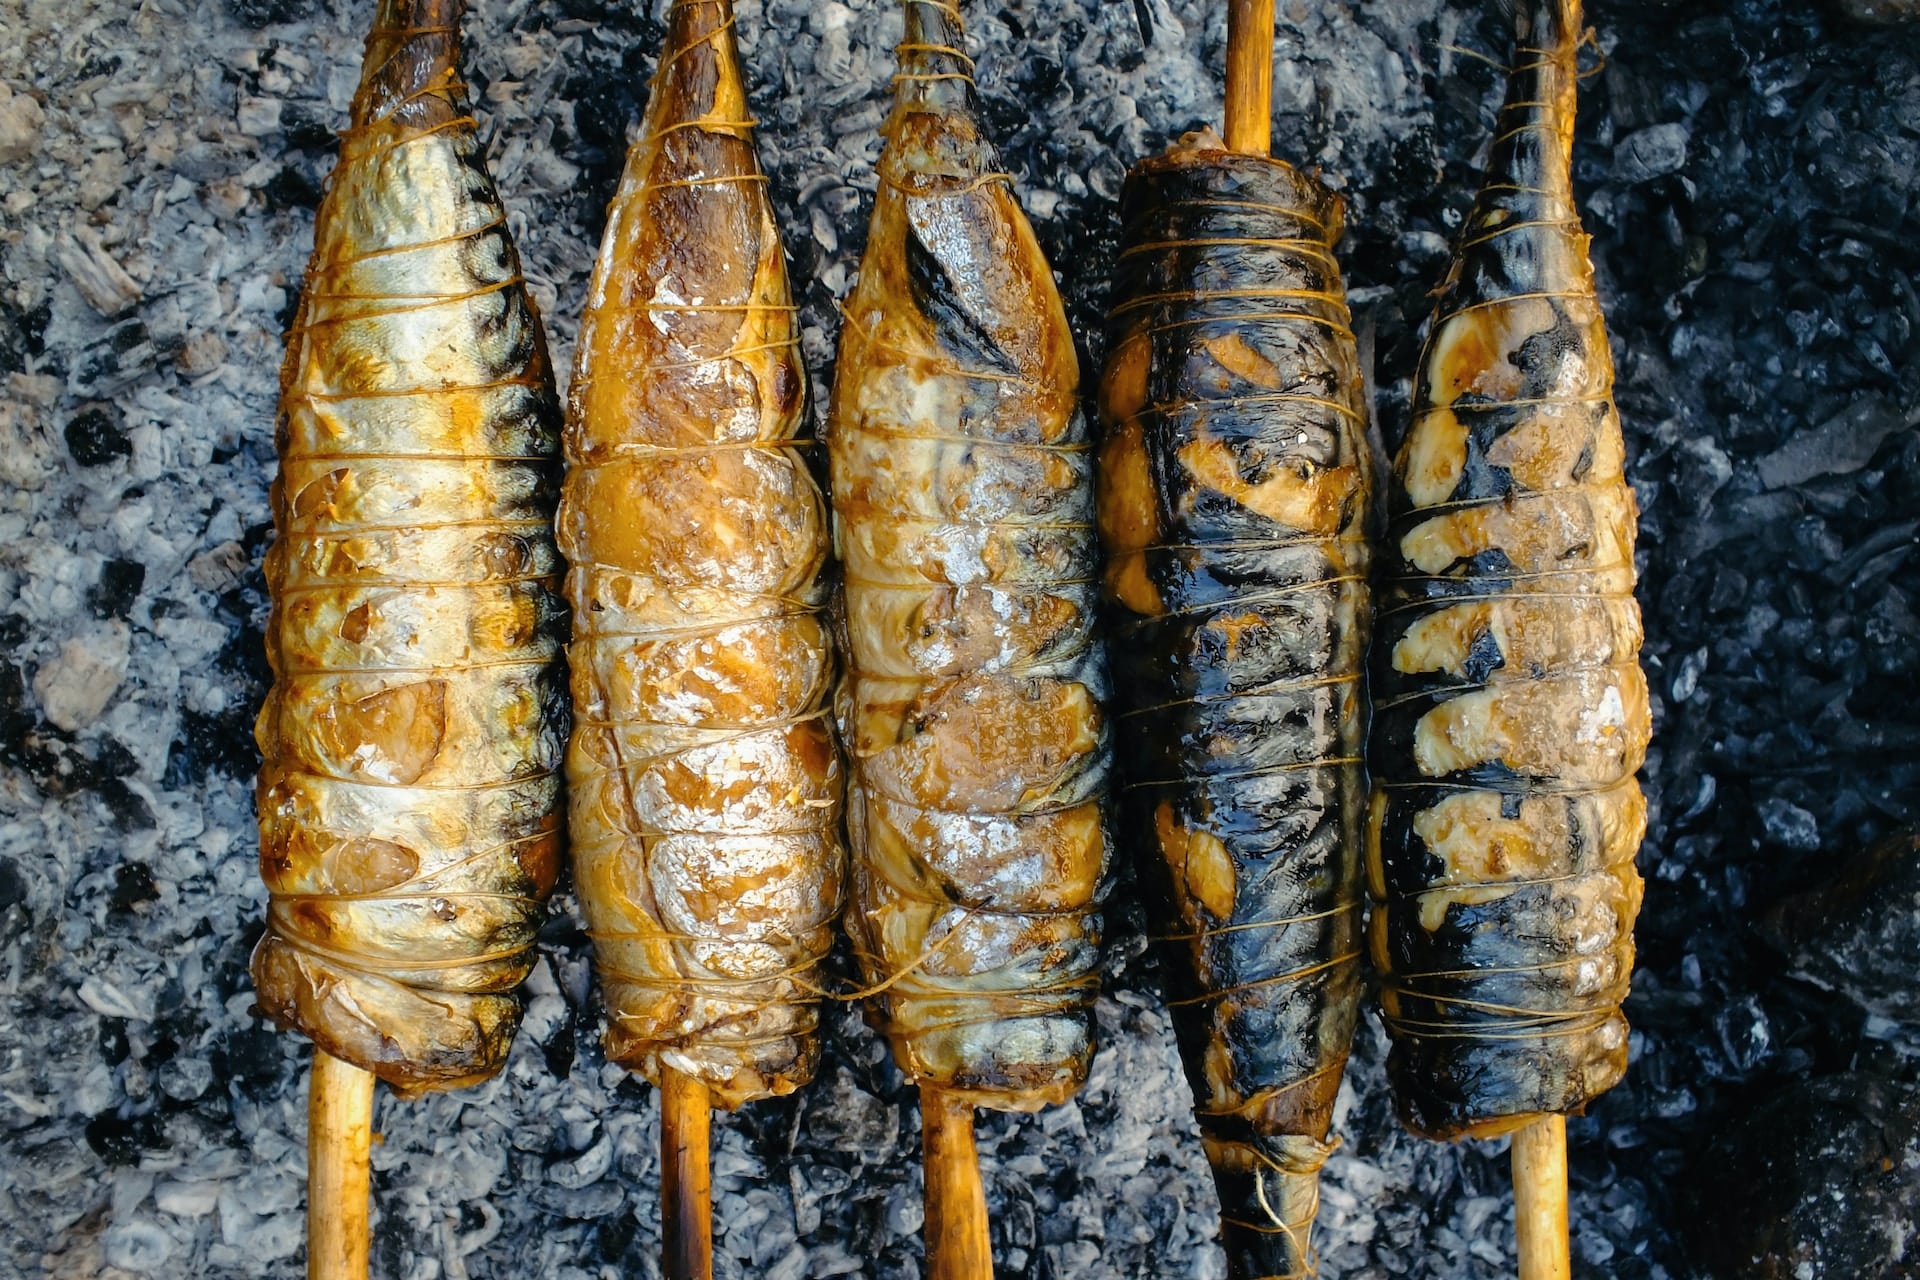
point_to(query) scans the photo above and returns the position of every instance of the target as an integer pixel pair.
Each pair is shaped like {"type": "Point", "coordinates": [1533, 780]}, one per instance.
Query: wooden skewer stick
{"type": "Point", "coordinates": [957, 1243]}
{"type": "Point", "coordinates": [1540, 1199]}
{"type": "Point", "coordinates": [686, 1179]}
{"type": "Point", "coordinates": [339, 1178]}
{"type": "Point", "coordinates": [1250, 76]}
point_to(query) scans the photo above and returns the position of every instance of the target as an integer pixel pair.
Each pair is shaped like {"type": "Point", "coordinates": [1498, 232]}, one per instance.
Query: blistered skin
{"type": "Point", "coordinates": [1511, 710]}
{"type": "Point", "coordinates": [1233, 502]}
{"type": "Point", "coordinates": [963, 494]}
{"type": "Point", "coordinates": [704, 786]}
{"type": "Point", "coordinates": [412, 738]}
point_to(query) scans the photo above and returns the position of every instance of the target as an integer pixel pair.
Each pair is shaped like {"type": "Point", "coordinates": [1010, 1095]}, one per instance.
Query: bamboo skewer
{"type": "Point", "coordinates": [958, 1247]}
{"type": "Point", "coordinates": [1540, 1149]}
{"type": "Point", "coordinates": [1540, 1199]}
{"type": "Point", "coordinates": [1250, 76]}
{"type": "Point", "coordinates": [339, 1180]}
{"type": "Point", "coordinates": [686, 1176]}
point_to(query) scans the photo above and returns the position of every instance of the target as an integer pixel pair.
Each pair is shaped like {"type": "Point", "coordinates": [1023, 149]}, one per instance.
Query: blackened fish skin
{"type": "Point", "coordinates": [704, 789]}
{"type": "Point", "coordinates": [1234, 486]}
{"type": "Point", "coordinates": [1511, 711]}
{"type": "Point", "coordinates": [972, 710]}
{"type": "Point", "coordinates": [408, 800]}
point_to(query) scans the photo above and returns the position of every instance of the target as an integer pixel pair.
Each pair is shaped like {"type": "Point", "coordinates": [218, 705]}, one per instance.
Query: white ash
{"type": "Point", "coordinates": [158, 166]}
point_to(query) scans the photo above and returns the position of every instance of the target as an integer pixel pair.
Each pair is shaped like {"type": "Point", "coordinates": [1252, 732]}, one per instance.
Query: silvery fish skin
{"type": "Point", "coordinates": [963, 494]}
{"type": "Point", "coordinates": [408, 799]}
{"type": "Point", "coordinates": [703, 781]}
{"type": "Point", "coordinates": [1234, 495]}
{"type": "Point", "coordinates": [1511, 711]}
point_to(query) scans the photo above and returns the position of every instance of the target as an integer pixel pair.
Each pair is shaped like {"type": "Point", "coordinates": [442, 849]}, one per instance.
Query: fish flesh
{"type": "Point", "coordinates": [408, 799]}
{"type": "Point", "coordinates": [1511, 712]}
{"type": "Point", "coordinates": [704, 787]}
{"type": "Point", "coordinates": [971, 711]}
{"type": "Point", "coordinates": [1235, 486]}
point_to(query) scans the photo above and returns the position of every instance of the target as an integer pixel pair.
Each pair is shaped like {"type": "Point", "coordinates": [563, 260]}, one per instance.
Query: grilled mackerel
{"type": "Point", "coordinates": [408, 827]}
{"type": "Point", "coordinates": [963, 494]}
{"type": "Point", "coordinates": [1511, 709]}
{"type": "Point", "coordinates": [705, 790]}
{"type": "Point", "coordinates": [1234, 487]}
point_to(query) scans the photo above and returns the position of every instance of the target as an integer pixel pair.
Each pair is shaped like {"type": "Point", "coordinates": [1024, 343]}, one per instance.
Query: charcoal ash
{"type": "Point", "coordinates": [1819, 1181]}
{"type": "Point", "coordinates": [1854, 935]}
{"type": "Point", "coordinates": [1747, 173]}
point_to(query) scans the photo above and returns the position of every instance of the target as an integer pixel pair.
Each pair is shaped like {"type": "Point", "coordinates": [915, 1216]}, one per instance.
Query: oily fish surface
{"type": "Point", "coordinates": [703, 778]}
{"type": "Point", "coordinates": [1511, 711]}
{"type": "Point", "coordinates": [1233, 504]}
{"type": "Point", "coordinates": [971, 711]}
{"type": "Point", "coordinates": [411, 738]}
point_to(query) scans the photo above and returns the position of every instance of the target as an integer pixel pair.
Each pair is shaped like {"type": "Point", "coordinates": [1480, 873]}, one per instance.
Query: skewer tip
{"type": "Point", "coordinates": [686, 1172]}
{"type": "Point", "coordinates": [1540, 1199]}
{"type": "Point", "coordinates": [339, 1174]}
{"type": "Point", "coordinates": [1249, 123]}
{"type": "Point", "coordinates": [958, 1247]}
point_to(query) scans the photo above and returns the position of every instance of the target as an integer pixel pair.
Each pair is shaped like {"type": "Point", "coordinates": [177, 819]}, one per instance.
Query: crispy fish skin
{"type": "Point", "coordinates": [1234, 489]}
{"type": "Point", "coordinates": [1511, 709]}
{"type": "Point", "coordinates": [704, 785]}
{"type": "Point", "coordinates": [971, 710]}
{"type": "Point", "coordinates": [408, 799]}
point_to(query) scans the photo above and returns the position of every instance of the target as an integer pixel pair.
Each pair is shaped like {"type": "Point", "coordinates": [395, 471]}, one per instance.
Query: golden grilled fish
{"type": "Point", "coordinates": [971, 711]}
{"type": "Point", "coordinates": [705, 789]}
{"type": "Point", "coordinates": [412, 738]}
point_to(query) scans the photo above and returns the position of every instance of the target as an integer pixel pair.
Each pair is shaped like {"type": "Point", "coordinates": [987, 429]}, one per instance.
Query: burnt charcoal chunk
{"type": "Point", "coordinates": [308, 125]}
{"type": "Point", "coordinates": [265, 13]}
{"type": "Point", "coordinates": [23, 338]}
{"type": "Point", "coordinates": [214, 744]}
{"type": "Point", "coordinates": [614, 1236]}
{"type": "Point", "coordinates": [15, 717]}
{"type": "Point", "coordinates": [1859, 935]}
{"type": "Point", "coordinates": [559, 1048]}
{"type": "Point", "coordinates": [605, 101]}
{"type": "Point", "coordinates": [13, 342]}
{"type": "Point", "coordinates": [49, 759]}
{"type": "Point", "coordinates": [1817, 1183]}
{"type": "Point", "coordinates": [290, 308]}
{"type": "Point", "coordinates": [94, 438]}
{"type": "Point", "coordinates": [121, 1140]}
{"type": "Point", "coordinates": [292, 188]}
{"type": "Point", "coordinates": [252, 1056]}
{"type": "Point", "coordinates": [119, 586]}
{"type": "Point", "coordinates": [113, 1040]}
{"type": "Point", "coordinates": [133, 886]}
{"type": "Point", "coordinates": [130, 810]}
{"type": "Point", "coordinates": [13, 885]}
{"type": "Point", "coordinates": [1042, 76]}
{"type": "Point", "coordinates": [33, 328]}
{"type": "Point", "coordinates": [1880, 12]}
